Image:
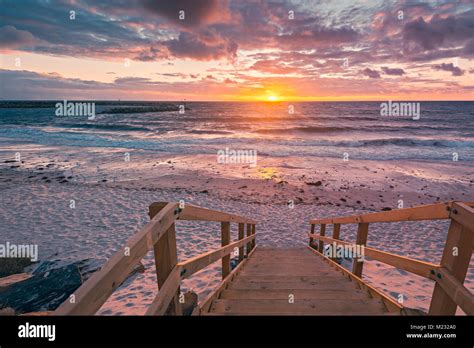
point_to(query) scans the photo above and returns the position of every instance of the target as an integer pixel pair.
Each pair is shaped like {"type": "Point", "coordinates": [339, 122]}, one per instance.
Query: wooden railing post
{"type": "Point", "coordinates": [456, 257]}
{"type": "Point", "coordinates": [166, 258]}
{"type": "Point", "coordinates": [320, 243]}
{"type": "Point", "coordinates": [225, 239]}
{"type": "Point", "coordinates": [311, 240]}
{"type": "Point", "coordinates": [362, 233]}
{"type": "Point", "coordinates": [253, 232]}
{"type": "Point", "coordinates": [249, 233]}
{"type": "Point", "coordinates": [241, 236]}
{"type": "Point", "coordinates": [336, 228]}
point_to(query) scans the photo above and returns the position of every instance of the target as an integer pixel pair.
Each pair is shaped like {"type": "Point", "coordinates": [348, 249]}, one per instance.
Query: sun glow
{"type": "Point", "coordinates": [272, 98]}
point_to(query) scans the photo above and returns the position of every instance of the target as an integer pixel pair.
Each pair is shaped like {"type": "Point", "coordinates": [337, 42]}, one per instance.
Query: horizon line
{"type": "Point", "coordinates": [239, 101]}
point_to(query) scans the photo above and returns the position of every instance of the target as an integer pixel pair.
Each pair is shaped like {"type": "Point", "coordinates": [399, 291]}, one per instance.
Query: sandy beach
{"type": "Point", "coordinates": [112, 189]}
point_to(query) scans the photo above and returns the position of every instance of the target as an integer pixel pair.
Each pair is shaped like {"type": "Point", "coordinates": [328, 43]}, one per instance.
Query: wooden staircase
{"type": "Point", "coordinates": [284, 281]}
{"type": "Point", "coordinates": [293, 282]}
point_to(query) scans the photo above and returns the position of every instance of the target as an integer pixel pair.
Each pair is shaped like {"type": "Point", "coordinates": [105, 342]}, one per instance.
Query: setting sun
{"type": "Point", "coordinates": [272, 98]}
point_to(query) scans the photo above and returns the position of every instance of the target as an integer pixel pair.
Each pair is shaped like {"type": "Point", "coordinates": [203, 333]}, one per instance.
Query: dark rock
{"type": "Point", "coordinates": [317, 183]}
{"type": "Point", "coordinates": [386, 209]}
{"type": "Point", "coordinates": [50, 284]}
{"type": "Point", "coordinates": [13, 265]}
{"type": "Point", "coordinates": [190, 302]}
{"type": "Point", "coordinates": [85, 267]}
{"type": "Point", "coordinates": [44, 291]}
{"type": "Point", "coordinates": [412, 311]}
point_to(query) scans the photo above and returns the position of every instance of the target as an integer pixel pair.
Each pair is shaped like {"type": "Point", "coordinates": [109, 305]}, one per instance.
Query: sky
{"type": "Point", "coordinates": [236, 50]}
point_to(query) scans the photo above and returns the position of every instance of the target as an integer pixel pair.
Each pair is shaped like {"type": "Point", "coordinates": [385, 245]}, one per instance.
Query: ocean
{"type": "Point", "coordinates": [356, 130]}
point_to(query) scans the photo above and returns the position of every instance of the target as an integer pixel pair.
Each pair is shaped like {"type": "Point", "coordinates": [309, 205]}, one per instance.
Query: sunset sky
{"type": "Point", "coordinates": [237, 50]}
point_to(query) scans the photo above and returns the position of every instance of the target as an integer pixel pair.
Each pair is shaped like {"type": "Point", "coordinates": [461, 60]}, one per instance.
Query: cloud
{"type": "Point", "coordinates": [11, 37]}
{"type": "Point", "coordinates": [273, 66]}
{"type": "Point", "coordinates": [393, 71]}
{"type": "Point", "coordinates": [206, 46]}
{"type": "Point", "coordinates": [311, 47]}
{"type": "Point", "coordinates": [373, 74]}
{"type": "Point", "coordinates": [196, 12]}
{"type": "Point", "coordinates": [440, 31]}
{"type": "Point", "coordinates": [456, 71]}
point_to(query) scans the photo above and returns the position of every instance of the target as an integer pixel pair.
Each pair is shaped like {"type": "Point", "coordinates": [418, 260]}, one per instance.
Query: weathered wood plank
{"type": "Point", "coordinates": [456, 256]}
{"type": "Point", "coordinates": [166, 259]}
{"type": "Point", "coordinates": [241, 236]}
{"type": "Point", "coordinates": [456, 291]}
{"type": "Point", "coordinates": [225, 240]}
{"type": "Point", "coordinates": [166, 294]}
{"type": "Point", "coordinates": [191, 212]}
{"type": "Point", "coordinates": [336, 231]}
{"type": "Point", "coordinates": [421, 268]}
{"type": "Point", "coordinates": [361, 239]}
{"type": "Point", "coordinates": [330, 284]}
{"type": "Point", "coordinates": [464, 214]}
{"type": "Point", "coordinates": [322, 232]}
{"type": "Point", "coordinates": [253, 232]}
{"type": "Point", "coordinates": [389, 303]}
{"type": "Point", "coordinates": [249, 233]}
{"type": "Point", "coordinates": [291, 278]}
{"type": "Point", "coordinates": [303, 307]}
{"type": "Point", "coordinates": [206, 304]}
{"type": "Point", "coordinates": [284, 294]}
{"type": "Point", "coordinates": [197, 263]}
{"type": "Point", "coordinates": [97, 289]}
{"type": "Point", "coordinates": [425, 212]}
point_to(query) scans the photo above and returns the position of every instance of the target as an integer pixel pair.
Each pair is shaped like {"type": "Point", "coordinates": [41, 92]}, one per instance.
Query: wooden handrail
{"type": "Point", "coordinates": [424, 269]}
{"type": "Point", "coordinates": [201, 261]}
{"type": "Point", "coordinates": [424, 212]}
{"type": "Point", "coordinates": [159, 235]}
{"type": "Point", "coordinates": [191, 212]}
{"type": "Point", "coordinates": [88, 298]}
{"type": "Point", "coordinates": [166, 293]}
{"type": "Point", "coordinates": [449, 275]}
{"type": "Point", "coordinates": [456, 290]}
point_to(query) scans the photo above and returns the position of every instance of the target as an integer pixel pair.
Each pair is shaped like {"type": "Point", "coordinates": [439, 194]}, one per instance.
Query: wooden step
{"type": "Point", "coordinates": [302, 307]}
{"type": "Point", "coordinates": [288, 278]}
{"type": "Point", "coordinates": [271, 279]}
{"type": "Point", "coordinates": [337, 284]}
{"type": "Point", "coordinates": [283, 294]}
